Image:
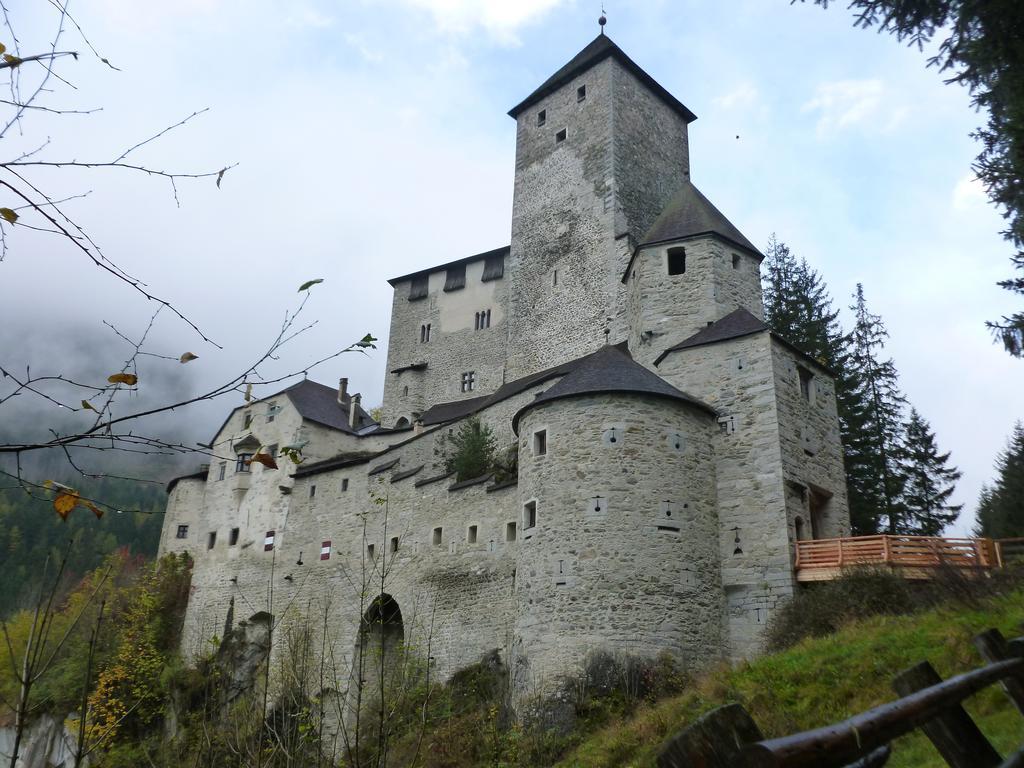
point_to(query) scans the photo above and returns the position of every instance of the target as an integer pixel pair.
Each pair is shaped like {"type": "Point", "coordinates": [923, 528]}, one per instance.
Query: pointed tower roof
{"type": "Point", "coordinates": [688, 214]}
{"type": "Point", "coordinates": [610, 370]}
{"type": "Point", "coordinates": [599, 49]}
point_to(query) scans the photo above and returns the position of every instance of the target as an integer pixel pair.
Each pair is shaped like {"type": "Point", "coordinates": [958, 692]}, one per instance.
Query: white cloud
{"type": "Point", "coordinates": [307, 17]}
{"type": "Point", "coordinates": [500, 18]}
{"type": "Point", "coordinates": [968, 193]}
{"type": "Point", "coordinates": [743, 96]}
{"type": "Point", "coordinates": [848, 103]}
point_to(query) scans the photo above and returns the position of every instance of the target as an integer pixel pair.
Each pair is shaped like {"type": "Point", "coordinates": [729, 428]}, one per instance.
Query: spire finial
{"type": "Point", "coordinates": [603, 19]}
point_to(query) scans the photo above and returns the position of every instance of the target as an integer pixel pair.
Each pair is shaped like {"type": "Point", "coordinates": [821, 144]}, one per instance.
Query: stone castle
{"type": "Point", "coordinates": [671, 447]}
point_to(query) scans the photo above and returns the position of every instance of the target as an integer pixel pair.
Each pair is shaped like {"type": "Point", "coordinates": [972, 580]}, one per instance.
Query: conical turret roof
{"type": "Point", "coordinates": [610, 370]}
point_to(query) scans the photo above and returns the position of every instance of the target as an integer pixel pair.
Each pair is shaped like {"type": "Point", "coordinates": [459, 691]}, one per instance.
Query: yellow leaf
{"type": "Point", "coordinates": [266, 460]}
{"type": "Point", "coordinates": [93, 508]}
{"type": "Point", "coordinates": [65, 502]}
{"type": "Point", "coordinates": [48, 483]}
{"type": "Point", "coordinates": [188, 357]}
{"type": "Point", "coordinates": [9, 215]}
{"type": "Point", "coordinates": [88, 406]}
{"type": "Point", "coordinates": [12, 60]}
{"type": "Point", "coordinates": [124, 378]}
{"type": "Point", "coordinates": [309, 284]}
{"type": "Point", "coordinates": [3, 48]}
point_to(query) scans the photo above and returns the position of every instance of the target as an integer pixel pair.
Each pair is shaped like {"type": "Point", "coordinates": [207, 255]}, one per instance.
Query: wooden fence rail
{"type": "Point", "coordinates": [728, 737]}
{"type": "Point", "coordinates": [916, 556]}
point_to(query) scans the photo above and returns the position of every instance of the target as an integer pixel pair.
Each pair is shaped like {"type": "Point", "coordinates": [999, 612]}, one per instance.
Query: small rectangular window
{"type": "Point", "coordinates": [676, 261]}
{"type": "Point", "coordinates": [222, 469]}
{"type": "Point", "coordinates": [471, 535]}
{"type": "Point", "coordinates": [530, 514]}
{"type": "Point", "coordinates": [554, 278]}
{"type": "Point", "coordinates": [542, 117]}
{"type": "Point", "coordinates": [272, 410]}
{"type": "Point", "coordinates": [247, 422]}
{"type": "Point", "coordinates": [211, 539]}
{"type": "Point", "coordinates": [806, 382]}
{"type": "Point", "coordinates": [418, 287]}
{"type": "Point", "coordinates": [325, 550]}
{"type": "Point", "coordinates": [369, 551]}
{"type": "Point", "coordinates": [510, 531]}
{"type": "Point", "coordinates": [312, 491]}
{"type": "Point", "coordinates": [561, 135]}
{"type": "Point", "coordinates": [540, 442]}
{"type": "Point", "coordinates": [182, 532]}
{"type": "Point", "coordinates": [424, 333]}
{"type": "Point", "coordinates": [242, 462]}
{"type": "Point", "coordinates": [735, 261]}
{"type": "Point", "coordinates": [233, 537]}
{"type": "Point", "coordinates": [581, 93]}
{"type": "Point", "coordinates": [436, 538]}
{"type": "Point", "coordinates": [268, 541]}
{"type": "Point", "coordinates": [468, 380]}
{"type": "Point", "coordinates": [455, 278]}
{"type": "Point", "coordinates": [344, 484]}
{"type": "Point", "coordinates": [394, 544]}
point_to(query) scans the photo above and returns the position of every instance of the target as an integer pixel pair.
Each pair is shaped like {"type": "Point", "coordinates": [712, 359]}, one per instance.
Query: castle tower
{"type": "Point", "coordinates": [692, 268]}
{"type": "Point", "coordinates": [600, 150]}
{"type": "Point", "coordinates": [619, 539]}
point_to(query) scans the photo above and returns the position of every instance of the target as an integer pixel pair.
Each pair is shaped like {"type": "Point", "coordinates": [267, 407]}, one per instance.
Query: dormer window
{"type": "Point", "coordinates": [455, 278]}
{"type": "Point", "coordinates": [272, 410]}
{"type": "Point", "coordinates": [676, 261]}
{"type": "Point", "coordinates": [494, 268]}
{"type": "Point", "coordinates": [542, 117]}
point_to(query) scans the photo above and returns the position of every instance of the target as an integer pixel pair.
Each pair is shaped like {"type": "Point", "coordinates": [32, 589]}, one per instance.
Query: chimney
{"type": "Point", "coordinates": [353, 409]}
{"type": "Point", "coordinates": [342, 391]}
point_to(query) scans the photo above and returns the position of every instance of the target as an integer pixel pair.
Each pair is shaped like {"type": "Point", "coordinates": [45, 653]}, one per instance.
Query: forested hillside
{"type": "Point", "coordinates": [30, 530]}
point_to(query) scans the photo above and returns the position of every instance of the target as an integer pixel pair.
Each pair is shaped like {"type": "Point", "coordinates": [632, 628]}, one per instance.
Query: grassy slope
{"type": "Point", "coordinates": [828, 679]}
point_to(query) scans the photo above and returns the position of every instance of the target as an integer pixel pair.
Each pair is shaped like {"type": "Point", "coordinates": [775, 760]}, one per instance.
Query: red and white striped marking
{"type": "Point", "coordinates": [325, 551]}
{"type": "Point", "coordinates": [268, 542]}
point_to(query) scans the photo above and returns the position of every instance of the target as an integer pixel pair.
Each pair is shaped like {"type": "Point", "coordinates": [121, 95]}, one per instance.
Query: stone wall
{"type": "Point", "coordinates": [737, 378]}
{"type": "Point", "coordinates": [812, 453]}
{"type": "Point", "coordinates": [456, 346]}
{"type": "Point", "coordinates": [623, 556]}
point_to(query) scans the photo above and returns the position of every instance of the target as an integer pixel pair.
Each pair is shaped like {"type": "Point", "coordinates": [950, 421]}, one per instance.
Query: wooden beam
{"type": "Point", "coordinates": [713, 741]}
{"type": "Point", "coordinates": [953, 732]}
{"type": "Point", "coordinates": [993, 647]}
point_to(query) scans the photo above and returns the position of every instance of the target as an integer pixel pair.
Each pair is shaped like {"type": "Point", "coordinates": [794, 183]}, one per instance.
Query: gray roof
{"type": "Point", "coordinates": [689, 214]}
{"type": "Point", "coordinates": [319, 403]}
{"type": "Point", "coordinates": [737, 323]}
{"type": "Point", "coordinates": [199, 475]}
{"type": "Point", "coordinates": [610, 370]}
{"type": "Point", "coordinates": [458, 409]}
{"type": "Point", "coordinates": [599, 49]}
{"type": "Point", "coordinates": [503, 251]}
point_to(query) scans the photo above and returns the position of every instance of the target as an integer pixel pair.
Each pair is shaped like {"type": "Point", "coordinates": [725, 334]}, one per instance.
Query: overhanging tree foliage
{"type": "Point", "coordinates": [982, 51]}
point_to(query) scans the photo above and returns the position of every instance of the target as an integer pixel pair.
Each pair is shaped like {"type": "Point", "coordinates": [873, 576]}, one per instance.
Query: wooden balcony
{"type": "Point", "coordinates": [914, 557]}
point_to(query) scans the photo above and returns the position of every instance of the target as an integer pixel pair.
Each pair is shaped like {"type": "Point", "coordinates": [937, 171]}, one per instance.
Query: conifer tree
{"type": "Point", "coordinates": [798, 307]}
{"type": "Point", "coordinates": [930, 481]}
{"type": "Point", "coordinates": [1001, 506]}
{"type": "Point", "coordinates": [881, 497]}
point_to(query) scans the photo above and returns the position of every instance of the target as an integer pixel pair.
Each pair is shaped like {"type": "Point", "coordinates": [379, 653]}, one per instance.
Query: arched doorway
{"type": "Point", "coordinates": [380, 651]}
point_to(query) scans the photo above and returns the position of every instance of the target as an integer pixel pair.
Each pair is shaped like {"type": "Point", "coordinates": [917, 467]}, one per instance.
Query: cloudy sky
{"type": "Point", "coordinates": [371, 140]}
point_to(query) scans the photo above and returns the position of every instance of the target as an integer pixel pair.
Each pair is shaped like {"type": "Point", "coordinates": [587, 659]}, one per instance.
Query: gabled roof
{"type": "Point", "coordinates": [503, 251]}
{"type": "Point", "coordinates": [317, 403]}
{"type": "Point", "coordinates": [610, 370]}
{"type": "Point", "coordinates": [599, 49]}
{"type": "Point", "coordinates": [737, 323]}
{"type": "Point", "coordinates": [687, 215]}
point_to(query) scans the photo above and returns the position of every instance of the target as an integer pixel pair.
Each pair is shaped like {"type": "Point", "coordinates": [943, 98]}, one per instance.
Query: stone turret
{"type": "Point", "coordinates": [619, 530]}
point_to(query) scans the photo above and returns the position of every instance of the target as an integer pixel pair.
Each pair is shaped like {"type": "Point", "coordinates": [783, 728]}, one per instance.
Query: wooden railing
{"type": "Point", "coordinates": [823, 559]}
{"type": "Point", "coordinates": [728, 737]}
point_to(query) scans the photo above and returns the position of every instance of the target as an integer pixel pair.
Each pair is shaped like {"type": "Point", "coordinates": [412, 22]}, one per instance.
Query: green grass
{"type": "Point", "coordinates": [824, 680]}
